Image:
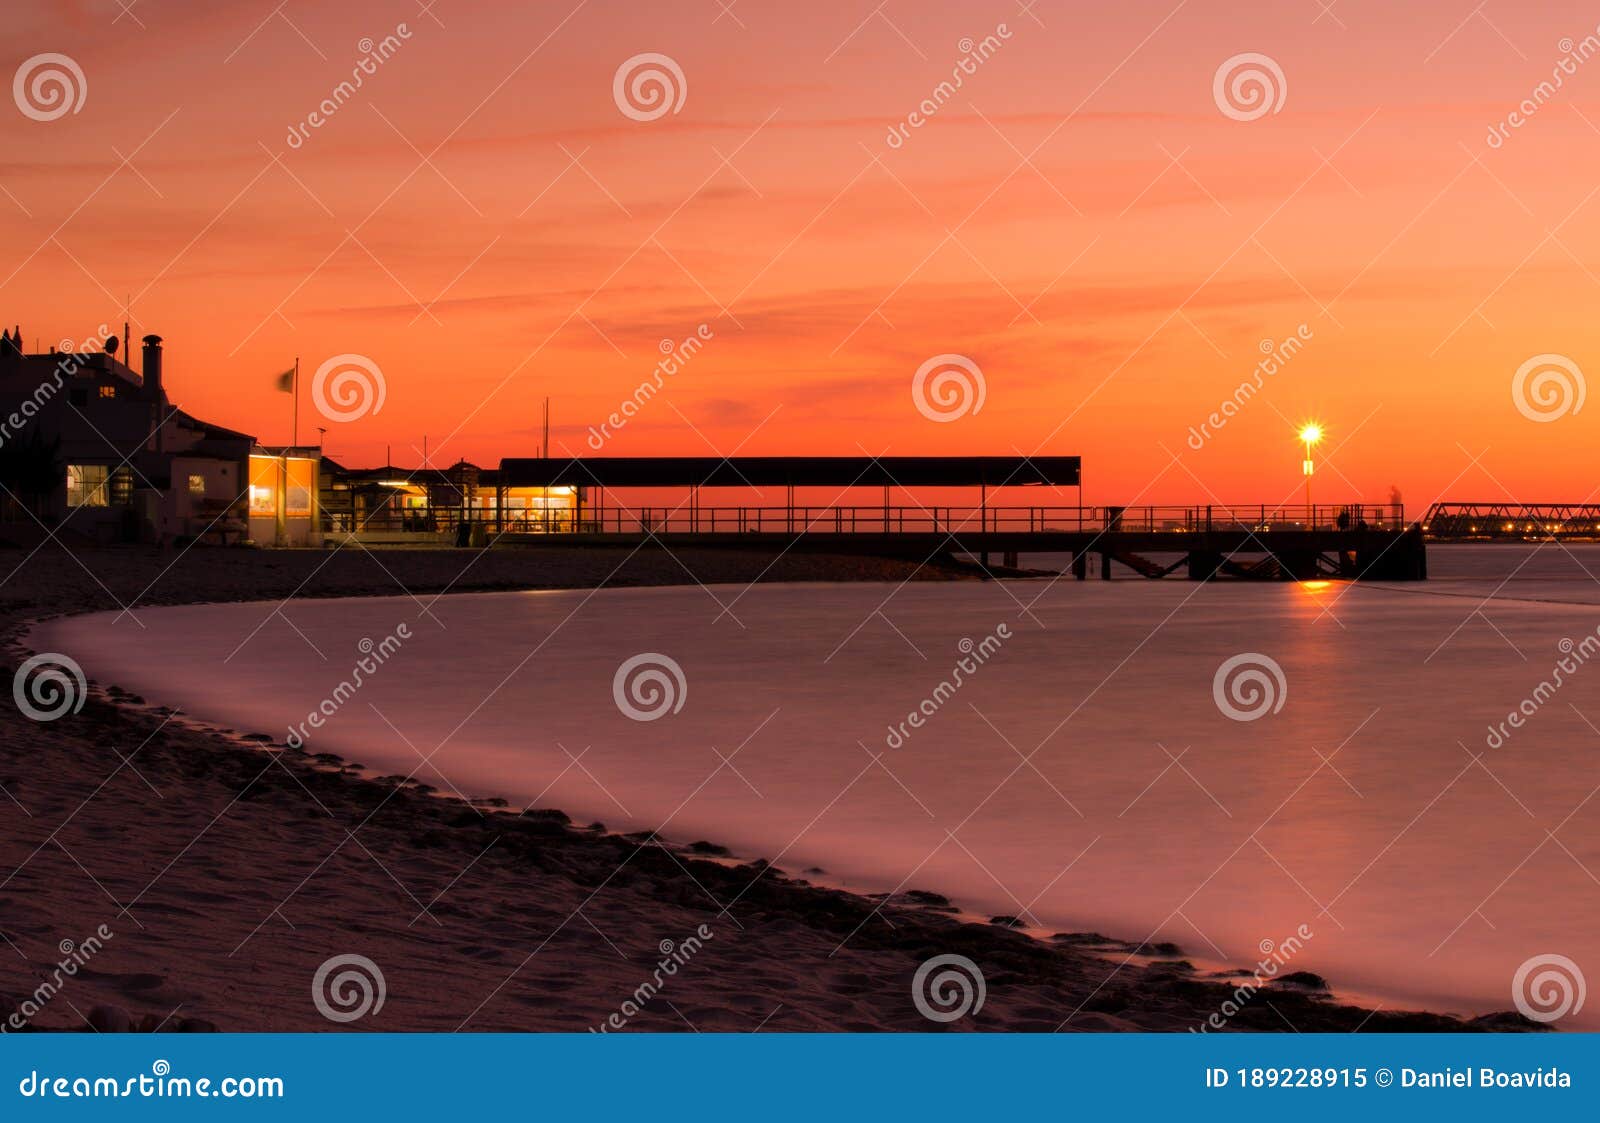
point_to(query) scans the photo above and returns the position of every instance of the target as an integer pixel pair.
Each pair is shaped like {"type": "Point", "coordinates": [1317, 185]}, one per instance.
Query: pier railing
{"type": "Point", "coordinates": [1251, 519]}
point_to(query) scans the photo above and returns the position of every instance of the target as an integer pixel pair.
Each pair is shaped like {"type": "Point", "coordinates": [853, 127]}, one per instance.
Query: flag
{"type": "Point", "coordinates": [285, 381]}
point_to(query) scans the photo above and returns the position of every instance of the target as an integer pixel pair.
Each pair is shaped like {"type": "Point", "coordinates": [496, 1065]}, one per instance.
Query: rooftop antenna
{"type": "Point", "coordinates": [425, 464]}
{"type": "Point", "coordinates": [545, 447]}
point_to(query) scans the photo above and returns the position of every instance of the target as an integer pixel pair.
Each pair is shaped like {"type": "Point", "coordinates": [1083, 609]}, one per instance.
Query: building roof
{"type": "Point", "coordinates": [791, 471]}
{"type": "Point", "coordinates": [392, 474]}
{"type": "Point", "coordinates": [294, 452]}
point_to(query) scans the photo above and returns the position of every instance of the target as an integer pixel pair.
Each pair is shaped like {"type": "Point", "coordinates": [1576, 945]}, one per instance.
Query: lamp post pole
{"type": "Point", "coordinates": [1309, 435]}
{"type": "Point", "coordinates": [1307, 467]}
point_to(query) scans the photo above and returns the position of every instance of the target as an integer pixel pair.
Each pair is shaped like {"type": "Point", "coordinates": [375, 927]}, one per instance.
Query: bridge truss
{"type": "Point", "coordinates": [1515, 521]}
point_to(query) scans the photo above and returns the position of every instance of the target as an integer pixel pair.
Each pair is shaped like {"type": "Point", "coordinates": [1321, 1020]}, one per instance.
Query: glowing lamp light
{"type": "Point", "coordinates": [1310, 434]}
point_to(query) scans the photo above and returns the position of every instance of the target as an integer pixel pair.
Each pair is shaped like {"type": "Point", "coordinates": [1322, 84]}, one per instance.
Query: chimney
{"type": "Point", "coordinates": [152, 365]}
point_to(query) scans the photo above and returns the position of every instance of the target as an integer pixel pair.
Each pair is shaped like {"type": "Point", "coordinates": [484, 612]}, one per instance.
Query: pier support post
{"type": "Point", "coordinates": [1297, 565]}
{"type": "Point", "coordinates": [1009, 559]}
{"type": "Point", "coordinates": [1403, 558]}
{"type": "Point", "coordinates": [1080, 564]}
{"type": "Point", "coordinates": [1203, 566]}
{"type": "Point", "coordinates": [1105, 567]}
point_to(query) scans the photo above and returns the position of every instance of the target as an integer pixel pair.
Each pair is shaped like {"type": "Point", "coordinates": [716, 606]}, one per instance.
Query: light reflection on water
{"type": "Point", "coordinates": [1082, 776]}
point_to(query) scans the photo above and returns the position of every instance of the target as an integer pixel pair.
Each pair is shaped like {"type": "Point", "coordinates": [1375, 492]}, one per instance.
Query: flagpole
{"type": "Point", "coordinates": [296, 440]}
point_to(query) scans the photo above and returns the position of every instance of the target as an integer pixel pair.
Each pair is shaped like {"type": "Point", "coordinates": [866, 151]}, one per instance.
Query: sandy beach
{"type": "Point", "coordinates": [227, 869]}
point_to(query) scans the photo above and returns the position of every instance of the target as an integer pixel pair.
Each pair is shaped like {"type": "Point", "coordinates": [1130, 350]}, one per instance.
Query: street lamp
{"type": "Point", "coordinates": [1310, 434]}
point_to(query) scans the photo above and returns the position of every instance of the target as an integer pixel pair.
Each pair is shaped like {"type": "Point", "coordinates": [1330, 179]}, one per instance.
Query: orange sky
{"type": "Point", "coordinates": [1081, 220]}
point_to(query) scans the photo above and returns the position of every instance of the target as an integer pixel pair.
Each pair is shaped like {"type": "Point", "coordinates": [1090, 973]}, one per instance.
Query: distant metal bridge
{"type": "Point", "coordinates": [1521, 522]}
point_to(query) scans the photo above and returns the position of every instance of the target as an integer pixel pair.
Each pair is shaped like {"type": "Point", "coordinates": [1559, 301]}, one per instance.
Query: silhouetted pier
{"type": "Point", "coordinates": [615, 501]}
{"type": "Point", "coordinates": [1198, 542]}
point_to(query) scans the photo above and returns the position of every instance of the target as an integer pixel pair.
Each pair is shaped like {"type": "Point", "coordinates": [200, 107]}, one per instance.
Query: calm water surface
{"type": "Point", "coordinates": [1084, 777]}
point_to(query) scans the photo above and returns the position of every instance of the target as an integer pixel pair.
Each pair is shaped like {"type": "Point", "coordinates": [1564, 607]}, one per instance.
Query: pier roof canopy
{"type": "Point", "coordinates": [791, 471]}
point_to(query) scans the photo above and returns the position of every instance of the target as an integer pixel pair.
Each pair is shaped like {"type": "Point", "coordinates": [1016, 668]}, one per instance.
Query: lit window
{"type": "Point", "coordinates": [197, 485]}
{"type": "Point", "coordinates": [108, 391]}
{"type": "Point", "coordinates": [86, 485]}
{"type": "Point", "coordinates": [262, 500]}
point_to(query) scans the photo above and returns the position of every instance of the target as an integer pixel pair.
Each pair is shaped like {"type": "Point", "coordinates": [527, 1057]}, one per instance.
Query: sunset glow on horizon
{"type": "Point", "coordinates": [1083, 220]}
